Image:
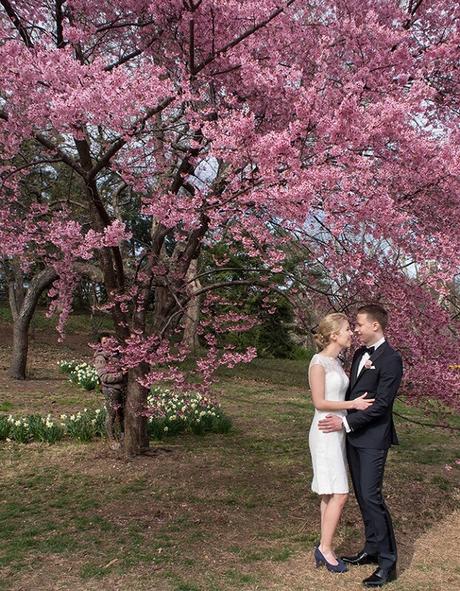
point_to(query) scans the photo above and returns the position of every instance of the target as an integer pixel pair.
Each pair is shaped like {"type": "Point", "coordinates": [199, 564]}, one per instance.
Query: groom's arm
{"type": "Point", "coordinates": [387, 388]}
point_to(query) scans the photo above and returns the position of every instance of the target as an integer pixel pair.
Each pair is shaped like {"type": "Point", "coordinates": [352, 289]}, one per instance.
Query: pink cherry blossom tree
{"type": "Point", "coordinates": [328, 129]}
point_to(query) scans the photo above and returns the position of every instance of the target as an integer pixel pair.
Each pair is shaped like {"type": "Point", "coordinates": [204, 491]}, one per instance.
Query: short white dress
{"type": "Point", "coordinates": [328, 449]}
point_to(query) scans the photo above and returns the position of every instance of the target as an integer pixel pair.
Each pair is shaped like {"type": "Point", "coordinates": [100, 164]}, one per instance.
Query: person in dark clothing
{"type": "Point", "coordinates": [113, 387]}
{"type": "Point", "coordinates": [376, 370]}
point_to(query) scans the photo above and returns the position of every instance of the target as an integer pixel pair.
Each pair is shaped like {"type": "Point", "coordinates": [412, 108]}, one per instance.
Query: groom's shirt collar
{"type": "Point", "coordinates": [365, 356]}
{"type": "Point", "coordinates": [378, 343]}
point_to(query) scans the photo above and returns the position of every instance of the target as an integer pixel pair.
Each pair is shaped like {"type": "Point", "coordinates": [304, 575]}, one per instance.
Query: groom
{"type": "Point", "coordinates": [376, 369]}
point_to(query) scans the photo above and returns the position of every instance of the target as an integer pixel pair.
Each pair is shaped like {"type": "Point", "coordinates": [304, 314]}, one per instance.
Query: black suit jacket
{"type": "Point", "coordinates": [373, 428]}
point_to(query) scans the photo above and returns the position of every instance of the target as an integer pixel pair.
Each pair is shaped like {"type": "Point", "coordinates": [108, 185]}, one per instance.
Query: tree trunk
{"type": "Point", "coordinates": [15, 280]}
{"type": "Point", "coordinates": [192, 313]}
{"type": "Point", "coordinates": [136, 439]}
{"type": "Point", "coordinates": [16, 293]}
{"type": "Point", "coordinates": [22, 322]}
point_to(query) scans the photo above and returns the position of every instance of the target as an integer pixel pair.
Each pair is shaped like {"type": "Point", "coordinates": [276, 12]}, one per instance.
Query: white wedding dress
{"type": "Point", "coordinates": [328, 449]}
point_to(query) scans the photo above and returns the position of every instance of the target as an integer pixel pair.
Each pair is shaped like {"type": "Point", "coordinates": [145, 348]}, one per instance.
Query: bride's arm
{"type": "Point", "coordinates": [317, 386]}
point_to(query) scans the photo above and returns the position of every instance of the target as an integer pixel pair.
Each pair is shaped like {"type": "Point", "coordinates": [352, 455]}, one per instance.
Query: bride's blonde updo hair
{"type": "Point", "coordinates": [329, 325]}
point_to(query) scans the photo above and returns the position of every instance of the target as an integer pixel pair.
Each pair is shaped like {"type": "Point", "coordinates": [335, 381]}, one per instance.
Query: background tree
{"type": "Point", "coordinates": [43, 186]}
{"type": "Point", "coordinates": [332, 125]}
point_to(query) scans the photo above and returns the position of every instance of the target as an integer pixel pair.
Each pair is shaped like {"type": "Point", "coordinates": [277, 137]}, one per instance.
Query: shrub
{"type": "Point", "coordinates": [80, 373]}
{"type": "Point", "coordinates": [4, 428]}
{"type": "Point", "coordinates": [301, 353]}
{"type": "Point", "coordinates": [33, 427]}
{"type": "Point", "coordinates": [170, 413]}
{"type": "Point", "coordinates": [83, 426]}
{"type": "Point", "coordinates": [67, 366]}
{"type": "Point", "coordinates": [19, 429]}
{"type": "Point", "coordinates": [45, 429]}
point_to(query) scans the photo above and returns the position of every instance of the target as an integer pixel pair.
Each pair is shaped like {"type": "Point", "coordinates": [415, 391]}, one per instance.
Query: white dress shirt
{"type": "Point", "coordinates": [366, 355]}
{"type": "Point", "coordinates": [361, 364]}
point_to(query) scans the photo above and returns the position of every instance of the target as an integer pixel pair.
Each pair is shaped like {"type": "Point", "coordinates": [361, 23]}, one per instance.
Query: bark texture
{"type": "Point", "coordinates": [39, 283]}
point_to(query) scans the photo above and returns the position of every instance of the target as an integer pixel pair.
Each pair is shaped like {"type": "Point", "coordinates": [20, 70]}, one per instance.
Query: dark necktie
{"type": "Point", "coordinates": [369, 350]}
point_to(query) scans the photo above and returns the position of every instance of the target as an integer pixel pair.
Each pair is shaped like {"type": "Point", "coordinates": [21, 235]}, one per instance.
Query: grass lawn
{"type": "Point", "coordinates": [214, 513]}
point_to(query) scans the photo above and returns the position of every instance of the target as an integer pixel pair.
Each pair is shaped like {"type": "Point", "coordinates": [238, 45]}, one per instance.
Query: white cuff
{"type": "Point", "coordinates": [346, 425]}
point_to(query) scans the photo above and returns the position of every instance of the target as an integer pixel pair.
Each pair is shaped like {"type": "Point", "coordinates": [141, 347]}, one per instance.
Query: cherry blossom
{"type": "Point", "coordinates": [326, 132]}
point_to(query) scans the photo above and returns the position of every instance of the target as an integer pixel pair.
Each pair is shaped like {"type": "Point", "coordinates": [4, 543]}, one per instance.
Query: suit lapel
{"type": "Point", "coordinates": [354, 367]}
{"type": "Point", "coordinates": [375, 355]}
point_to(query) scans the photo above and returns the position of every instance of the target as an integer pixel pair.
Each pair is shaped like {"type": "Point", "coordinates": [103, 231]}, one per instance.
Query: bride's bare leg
{"type": "Point", "coordinates": [329, 521]}
{"type": "Point", "coordinates": [323, 506]}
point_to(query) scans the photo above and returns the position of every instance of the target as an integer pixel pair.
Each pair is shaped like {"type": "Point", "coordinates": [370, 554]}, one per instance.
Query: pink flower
{"type": "Point", "coordinates": [258, 174]}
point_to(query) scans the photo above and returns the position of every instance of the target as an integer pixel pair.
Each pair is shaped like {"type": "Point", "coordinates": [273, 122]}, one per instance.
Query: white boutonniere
{"type": "Point", "coordinates": [368, 364]}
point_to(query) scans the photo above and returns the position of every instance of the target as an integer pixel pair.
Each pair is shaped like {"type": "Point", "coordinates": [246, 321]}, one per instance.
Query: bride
{"type": "Point", "coordinates": [328, 384]}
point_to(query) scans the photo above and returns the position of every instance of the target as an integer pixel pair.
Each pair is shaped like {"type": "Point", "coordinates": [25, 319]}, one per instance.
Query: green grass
{"type": "Point", "coordinates": [77, 323]}
{"type": "Point", "coordinates": [285, 372]}
{"type": "Point", "coordinates": [76, 528]}
{"type": "Point", "coordinates": [187, 587]}
{"type": "Point", "coordinates": [239, 579]}
{"type": "Point", "coordinates": [218, 513]}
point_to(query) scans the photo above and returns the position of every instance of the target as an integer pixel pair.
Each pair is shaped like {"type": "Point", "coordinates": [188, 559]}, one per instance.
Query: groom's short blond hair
{"type": "Point", "coordinates": [375, 312]}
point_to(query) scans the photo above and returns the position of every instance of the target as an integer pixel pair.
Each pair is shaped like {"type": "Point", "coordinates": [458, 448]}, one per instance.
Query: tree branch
{"type": "Point", "coordinates": [243, 36]}
{"type": "Point", "coordinates": [44, 141]}
{"type": "Point", "coordinates": [29, 165]}
{"type": "Point", "coordinates": [123, 60]}
{"type": "Point", "coordinates": [60, 43]}
{"type": "Point", "coordinates": [411, 9]}
{"type": "Point", "coordinates": [117, 25]}
{"type": "Point", "coordinates": [423, 424]}
{"type": "Point", "coordinates": [49, 145]}
{"type": "Point", "coordinates": [17, 23]}
{"type": "Point", "coordinates": [192, 47]}
{"type": "Point", "coordinates": [226, 284]}
{"type": "Point", "coordinates": [414, 6]}
{"type": "Point", "coordinates": [226, 269]}
{"type": "Point", "coordinates": [91, 271]}
{"type": "Point", "coordinates": [118, 144]}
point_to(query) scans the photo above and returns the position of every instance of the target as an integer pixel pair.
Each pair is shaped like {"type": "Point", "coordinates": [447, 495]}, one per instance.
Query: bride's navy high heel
{"type": "Point", "coordinates": [333, 568]}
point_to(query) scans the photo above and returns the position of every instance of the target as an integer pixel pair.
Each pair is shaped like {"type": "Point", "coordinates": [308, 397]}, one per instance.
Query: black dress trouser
{"type": "Point", "coordinates": [366, 468]}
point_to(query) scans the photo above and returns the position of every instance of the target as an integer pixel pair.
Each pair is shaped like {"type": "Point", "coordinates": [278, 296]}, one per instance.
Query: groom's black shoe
{"type": "Point", "coordinates": [360, 558]}
{"type": "Point", "coordinates": [380, 577]}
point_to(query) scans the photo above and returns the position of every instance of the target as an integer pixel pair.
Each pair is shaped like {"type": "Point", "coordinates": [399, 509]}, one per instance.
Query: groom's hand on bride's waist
{"type": "Point", "coordinates": [330, 424]}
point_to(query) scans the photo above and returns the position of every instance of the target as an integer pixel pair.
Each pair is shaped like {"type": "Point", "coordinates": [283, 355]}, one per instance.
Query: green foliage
{"type": "Point", "coordinates": [4, 428]}
{"type": "Point", "coordinates": [45, 429]}
{"type": "Point", "coordinates": [301, 354]}
{"type": "Point", "coordinates": [271, 336]}
{"type": "Point", "coordinates": [67, 367]}
{"type": "Point", "coordinates": [5, 314]}
{"type": "Point", "coordinates": [83, 323]}
{"type": "Point", "coordinates": [80, 373]}
{"type": "Point", "coordinates": [18, 430]}
{"type": "Point", "coordinates": [171, 413]}
{"type": "Point", "coordinates": [85, 425]}
{"type": "Point", "coordinates": [82, 426]}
